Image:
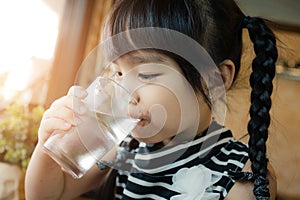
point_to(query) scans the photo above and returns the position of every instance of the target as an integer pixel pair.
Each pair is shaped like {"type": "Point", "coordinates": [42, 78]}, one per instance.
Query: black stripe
{"type": "Point", "coordinates": [157, 190]}
{"type": "Point", "coordinates": [182, 154]}
{"type": "Point", "coordinates": [225, 182]}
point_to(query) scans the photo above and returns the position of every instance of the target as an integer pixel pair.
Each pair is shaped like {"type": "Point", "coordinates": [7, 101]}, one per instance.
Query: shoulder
{"type": "Point", "coordinates": [245, 188]}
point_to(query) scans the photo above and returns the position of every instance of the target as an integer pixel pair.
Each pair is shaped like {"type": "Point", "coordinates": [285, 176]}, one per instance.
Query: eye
{"type": "Point", "coordinates": [148, 77]}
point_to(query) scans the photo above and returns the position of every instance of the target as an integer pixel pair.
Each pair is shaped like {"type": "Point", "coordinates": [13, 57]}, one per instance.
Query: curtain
{"type": "Point", "coordinates": [80, 32]}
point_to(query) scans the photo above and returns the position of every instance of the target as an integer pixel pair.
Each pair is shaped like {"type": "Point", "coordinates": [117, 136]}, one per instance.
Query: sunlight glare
{"type": "Point", "coordinates": [28, 29]}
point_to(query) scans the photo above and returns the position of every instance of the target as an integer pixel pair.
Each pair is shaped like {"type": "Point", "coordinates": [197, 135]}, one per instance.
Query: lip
{"type": "Point", "coordinates": [142, 123]}
{"type": "Point", "coordinates": [143, 119]}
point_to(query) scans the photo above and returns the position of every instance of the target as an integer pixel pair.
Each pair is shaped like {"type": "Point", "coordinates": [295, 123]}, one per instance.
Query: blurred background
{"type": "Point", "coordinates": [44, 42]}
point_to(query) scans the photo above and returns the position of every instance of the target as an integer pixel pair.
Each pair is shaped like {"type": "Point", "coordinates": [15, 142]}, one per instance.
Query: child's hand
{"type": "Point", "coordinates": [64, 113]}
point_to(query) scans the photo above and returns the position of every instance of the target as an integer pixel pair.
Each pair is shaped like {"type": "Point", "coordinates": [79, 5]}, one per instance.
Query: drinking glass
{"type": "Point", "coordinates": [107, 123]}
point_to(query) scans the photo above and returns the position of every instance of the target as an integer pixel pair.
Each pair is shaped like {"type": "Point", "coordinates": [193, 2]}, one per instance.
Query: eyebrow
{"type": "Point", "coordinates": [148, 58]}
{"type": "Point", "coordinates": [140, 57]}
{"type": "Point", "coordinates": [137, 58]}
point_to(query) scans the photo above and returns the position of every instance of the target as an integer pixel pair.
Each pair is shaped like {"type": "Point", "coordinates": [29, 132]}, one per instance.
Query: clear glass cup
{"type": "Point", "coordinates": [107, 123]}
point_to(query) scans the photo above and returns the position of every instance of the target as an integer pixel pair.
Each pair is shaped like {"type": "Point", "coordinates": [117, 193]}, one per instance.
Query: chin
{"type": "Point", "coordinates": [145, 136]}
{"type": "Point", "coordinates": [147, 140]}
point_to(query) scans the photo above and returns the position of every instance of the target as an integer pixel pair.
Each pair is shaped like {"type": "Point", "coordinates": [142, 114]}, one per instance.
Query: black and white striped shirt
{"type": "Point", "coordinates": [146, 171]}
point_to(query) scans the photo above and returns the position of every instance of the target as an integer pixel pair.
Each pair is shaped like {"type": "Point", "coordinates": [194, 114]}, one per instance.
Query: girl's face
{"type": "Point", "coordinates": [167, 103]}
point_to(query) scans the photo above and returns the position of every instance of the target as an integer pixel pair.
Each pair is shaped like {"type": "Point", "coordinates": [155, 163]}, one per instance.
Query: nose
{"type": "Point", "coordinates": [134, 108]}
{"type": "Point", "coordinates": [135, 98]}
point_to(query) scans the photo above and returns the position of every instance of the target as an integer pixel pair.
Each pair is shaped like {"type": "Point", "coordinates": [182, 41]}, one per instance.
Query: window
{"type": "Point", "coordinates": [28, 36]}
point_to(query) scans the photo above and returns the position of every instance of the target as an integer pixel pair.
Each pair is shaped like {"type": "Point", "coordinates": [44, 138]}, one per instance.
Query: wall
{"type": "Point", "coordinates": [284, 137]}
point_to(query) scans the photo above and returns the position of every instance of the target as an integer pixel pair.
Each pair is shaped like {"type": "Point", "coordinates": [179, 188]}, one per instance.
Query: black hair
{"type": "Point", "coordinates": [263, 67]}
{"type": "Point", "coordinates": [216, 25]}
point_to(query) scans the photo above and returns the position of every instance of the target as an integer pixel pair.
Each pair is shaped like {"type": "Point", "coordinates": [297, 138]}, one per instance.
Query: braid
{"type": "Point", "coordinates": [263, 72]}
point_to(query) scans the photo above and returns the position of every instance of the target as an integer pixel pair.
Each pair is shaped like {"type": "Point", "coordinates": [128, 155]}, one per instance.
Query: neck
{"type": "Point", "coordinates": [188, 135]}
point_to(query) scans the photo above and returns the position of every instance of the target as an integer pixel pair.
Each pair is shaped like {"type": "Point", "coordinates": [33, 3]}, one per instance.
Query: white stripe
{"type": "Point", "coordinates": [118, 196]}
{"type": "Point", "coordinates": [122, 185]}
{"type": "Point", "coordinates": [149, 184]}
{"type": "Point", "coordinates": [139, 196]}
{"type": "Point", "coordinates": [129, 161]}
{"type": "Point", "coordinates": [181, 162]}
{"type": "Point", "coordinates": [127, 139]}
{"type": "Point", "coordinates": [123, 172]}
{"type": "Point", "coordinates": [179, 147]}
{"type": "Point", "coordinates": [235, 162]}
{"type": "Point", "coordinates": [225, 151]}
{"type": "Point", "coordinates": [221, 189]}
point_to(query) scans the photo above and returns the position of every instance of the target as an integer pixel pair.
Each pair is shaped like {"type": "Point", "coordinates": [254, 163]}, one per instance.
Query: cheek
{"type": "Point", "coordinates": [163, 98]}
{"type": "Point", "coordinates": [174, 113]}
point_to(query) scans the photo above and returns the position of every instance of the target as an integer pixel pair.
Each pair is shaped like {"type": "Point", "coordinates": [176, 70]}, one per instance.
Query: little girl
{"type": "Point", "coordinates": [171, 163]}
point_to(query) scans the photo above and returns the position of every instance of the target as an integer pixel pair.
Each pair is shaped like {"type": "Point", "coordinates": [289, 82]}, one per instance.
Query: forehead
{"type": "Point", "coordinates": [140, 57]}
{"type": "Point", "coordinates": [146, 60]}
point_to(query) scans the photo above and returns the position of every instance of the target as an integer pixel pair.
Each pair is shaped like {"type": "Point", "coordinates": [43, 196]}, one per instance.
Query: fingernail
{"type": "Point", "coordinates": [67, 125]}
{"type": "Point", "coordinates": [79, 92]}
{"type": "Point", "coordinates": [82, 110]}
{"type": "Point", "coordinates": [82, 93]}
{"type": "Point", "coordinates": [77, 121]}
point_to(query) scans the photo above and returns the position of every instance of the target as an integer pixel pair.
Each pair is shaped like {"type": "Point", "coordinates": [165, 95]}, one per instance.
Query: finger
{"type": "Point", "coordinates": [77, 91]}
{"type": "Point", "coordinates": [71, 102]}
{"type": "Point", "coordinates": [63, 113]}
{"type": "Point", "coordinates": [51, 124]}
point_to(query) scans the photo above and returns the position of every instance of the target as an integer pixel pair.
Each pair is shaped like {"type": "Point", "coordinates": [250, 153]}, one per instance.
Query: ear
{"type": "Point", "coordinates": [227, 69]}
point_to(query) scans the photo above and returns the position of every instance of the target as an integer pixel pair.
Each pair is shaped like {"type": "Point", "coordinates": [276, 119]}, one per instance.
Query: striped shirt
{"type": "Point", "coordinates": [146, 171]}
